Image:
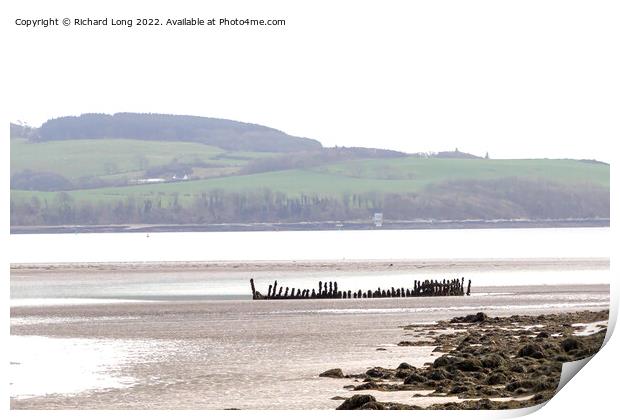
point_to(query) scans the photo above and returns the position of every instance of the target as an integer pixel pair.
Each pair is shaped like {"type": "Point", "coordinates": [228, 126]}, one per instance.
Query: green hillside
{"type": "Point", "coordinates": [422, 171]}
{"type": "Point", "coordinates": [406, 175]}
{"type": "Point", "coordinates": [222, 133]}
{"type": "Point", "coordinates": [75, 159]}
{"type": "Point", "coordinates": [259, 174]}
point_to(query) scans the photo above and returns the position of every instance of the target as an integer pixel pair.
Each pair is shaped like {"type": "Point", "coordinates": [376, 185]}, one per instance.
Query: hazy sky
{"type": "Point", "coordinates": [516, 79]}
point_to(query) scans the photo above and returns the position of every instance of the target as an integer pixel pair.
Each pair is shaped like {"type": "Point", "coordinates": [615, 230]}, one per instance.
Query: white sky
{"type": "Point", "coordinates": [517, 79]}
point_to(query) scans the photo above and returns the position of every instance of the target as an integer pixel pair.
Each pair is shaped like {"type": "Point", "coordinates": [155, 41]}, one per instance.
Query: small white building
{"type": "Point", "coordinates": [378, 219]}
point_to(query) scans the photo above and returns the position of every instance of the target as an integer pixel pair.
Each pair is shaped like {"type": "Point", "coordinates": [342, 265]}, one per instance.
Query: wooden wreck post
{"type": "Point", "coordinates": [253, 288]}
{"type": "Point", "coordinates": [469, 287]}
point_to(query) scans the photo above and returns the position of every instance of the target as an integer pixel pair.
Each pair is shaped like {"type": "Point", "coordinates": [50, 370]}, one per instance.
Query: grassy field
{"type": "Point", "coordinates": [400, 175]}
{"type": "Point", "coordinates": [112, 158]}
{"type": "Point", "coordinates": [421, 172]}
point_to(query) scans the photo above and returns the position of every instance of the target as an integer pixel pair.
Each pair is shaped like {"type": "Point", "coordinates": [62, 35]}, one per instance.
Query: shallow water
{"type": "Point", "coordinates": [119, 337]}
{"type": "Point", "coordinates": [237, 353]}
{"type": "Point", "coordinates": [313, 245]}
{"type": "Point", "coordinates": [98, 286]}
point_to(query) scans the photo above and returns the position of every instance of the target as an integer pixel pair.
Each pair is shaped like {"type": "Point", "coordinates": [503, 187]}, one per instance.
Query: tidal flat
{"type": "Point", "coordinates": [174, 338]}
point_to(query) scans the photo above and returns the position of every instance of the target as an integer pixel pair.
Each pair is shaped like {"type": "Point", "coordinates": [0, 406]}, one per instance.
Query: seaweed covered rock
{"type": "Point", "coordinates": [414, 343]}
{"type": "Point", "coordinates": [414, 378]}
{"type": "Point", "coordinates": [366, 385]}
{"type": "Point", "coordinates": [534, 351]}
{"type": "Point", "coordinates": [571, 343]}
{"type": "Point", "coordinates": [438, 374]}
{"type": "Point", "coordinates": [403, 370]}
{"type": "Point", "coordinates": [469, 365]}
{"type": "Point", "coordinates": [488, 358]}
{"type": "Point", "coordinates": [356, 402]}
{"type": "Point", "coordinates": [443, 361]}
{"type": "Point", "coordinates": [372, 405]}
{"type": "Point", "coordinates": [332, 373]}
{"type": "Point", "coordinates": [470, 319]}
{"type": "Point", "coordinates": [458, 389]}
{"type": "Point", "coordinates": [378, 372]}
{"type": "Point", "coordinates": [496, 379]}
{"type": "Point", "coordinates": [493, 361]}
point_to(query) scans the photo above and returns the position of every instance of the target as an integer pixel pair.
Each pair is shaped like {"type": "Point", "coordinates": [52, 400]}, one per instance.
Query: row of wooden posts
{"type": "Point", "coordinates": [454, 287]}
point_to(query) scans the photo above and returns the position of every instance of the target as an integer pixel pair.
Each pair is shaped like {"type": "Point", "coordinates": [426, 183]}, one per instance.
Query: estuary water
{"type": "Point", "coordinates": [313, 245]}
{"type": "Point", "coordinates": [159, 334]}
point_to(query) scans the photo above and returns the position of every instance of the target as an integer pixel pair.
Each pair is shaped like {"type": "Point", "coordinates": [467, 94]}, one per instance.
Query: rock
{"type": "Point", "coordinates": [332, 373]}
{"type": "Point", "coordinates": [381, 349]}
{"type": "Point", "coordinates": [493, 361]}
{"type": "Point", "coordinates": [378, 372]}
{"type": "Point", "coordinates": [356, 402]}
{"type": "Point", "coordinates": [469, 365]}
{"type": "Point", "coordinates": [415, 343]}
{"type": "Point", "coordinates": [545, 385]}
{"type": "Point", "coordinates": [414, 378]}
{"type": "Point", "coordinates": [458, 389]}
{"type": "Point", "coordinates": [365, 386]}
{"type": "Point", "coordinates": [496, 379]}
{"type": "Point", "coordinates": [470, 319]}
{"type": "Point", "coordinates": [571, 343]}
{"type": "Point", "coordinates": [489, 392]}
{"type": "Point", "coordinates": [372, 405]}
{"type": "Point", "coordinates": [532, 350]}
{"type": "Point", "coordinates": [438, 374]}
{"type": "Point", "coordinates": [442, 361]}
{"type": "Point", "coordinates": [485, 361]}
{"type": "Point", "coordinates": [515, 386]}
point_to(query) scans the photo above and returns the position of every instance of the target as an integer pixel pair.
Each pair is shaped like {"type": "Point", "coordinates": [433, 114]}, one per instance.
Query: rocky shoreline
{"type": "Point", "coordinates": [487, 362]}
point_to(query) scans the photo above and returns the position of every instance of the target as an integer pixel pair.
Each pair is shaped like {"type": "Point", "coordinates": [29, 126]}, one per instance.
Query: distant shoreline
{"type": "Point", "coordinates": [316, 226]}
{"type": "Point", "coordinates": [325, 266]}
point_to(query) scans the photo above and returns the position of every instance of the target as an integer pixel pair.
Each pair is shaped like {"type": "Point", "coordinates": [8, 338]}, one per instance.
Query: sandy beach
{"type": "Point", "coordinates": [140, 336]}
{"type": "Point", "coordinates": [362, 266]}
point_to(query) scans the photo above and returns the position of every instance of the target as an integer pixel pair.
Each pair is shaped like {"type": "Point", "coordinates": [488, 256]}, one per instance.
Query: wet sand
{"type": "Point", "coordinates": [202, 353]}
{"type": "Point", "coordinates": [329, 266]}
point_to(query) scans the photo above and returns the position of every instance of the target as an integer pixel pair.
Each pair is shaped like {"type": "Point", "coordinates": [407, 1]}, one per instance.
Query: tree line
{"type": "Point", "coordinates": [226, 134]}
{"type": "Point", "coordinates": [510, 198]}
